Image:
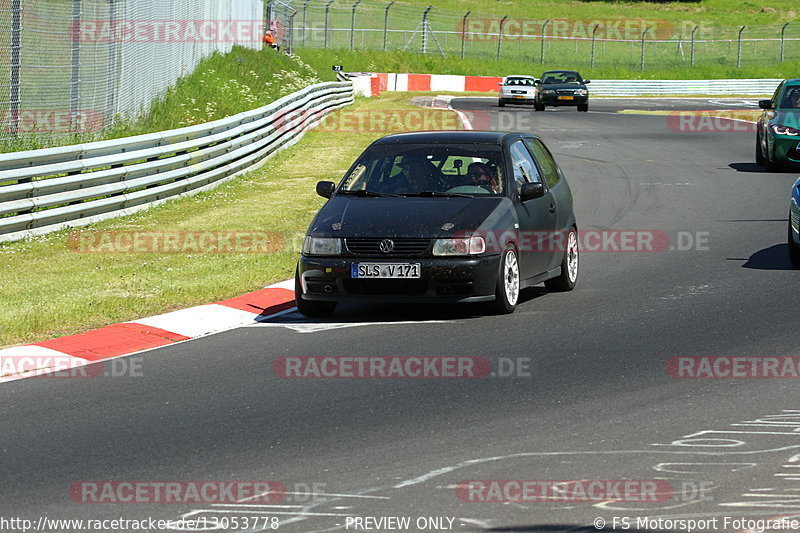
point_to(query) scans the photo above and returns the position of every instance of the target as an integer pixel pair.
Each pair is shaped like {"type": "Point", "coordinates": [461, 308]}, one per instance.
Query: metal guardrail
{"type": "Point", "coordinates": [683, 87]}
{"type": "Point", "coordinates": [55, 188]}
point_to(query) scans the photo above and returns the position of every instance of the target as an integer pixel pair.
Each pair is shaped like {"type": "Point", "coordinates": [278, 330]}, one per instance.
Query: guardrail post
{"type": "Point", "coordinates": [353, 23]}
{"type": "Point", "coordinates": [16, 48]}
{"type": "Point", "coordinates": [290, 48]}
{"type": "Point", "coordinates": [305, 7]}
{"type": "Point", "coordinates": [327, 8]}
{"type": "Point", "coordinates": [544, 27]}
{"type": "Point", "coordinates": [644, 34]}
{"type": "Point", "coordinates": [739, 48]}
{"type": "Point", "coordinates": [691, 54]}
{"type": "Point", "coordinates": [594, 31]}
{"type": "Point", "coordinates": [783, 32]}
{"type": "Point", "coordinates": [464, 32]}
{"type": "Point", "coordinates": [386, 23]}
{"type": "Point", "coordinates": [75, 75]}
{"type": "Point", "coordinates": [500, 36]}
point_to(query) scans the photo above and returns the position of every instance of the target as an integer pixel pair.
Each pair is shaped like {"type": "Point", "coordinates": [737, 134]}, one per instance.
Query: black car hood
{"type": "Point", "coordinates": [402, 217]}
{"type": "Point", "coordinates": [560, 86]}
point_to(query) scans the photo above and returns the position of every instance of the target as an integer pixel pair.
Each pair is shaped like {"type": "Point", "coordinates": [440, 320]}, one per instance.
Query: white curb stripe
{"type": "Point", "coordinates": [199, 320]}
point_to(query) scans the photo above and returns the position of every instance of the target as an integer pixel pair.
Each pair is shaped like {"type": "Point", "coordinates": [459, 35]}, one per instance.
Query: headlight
{"type": "Point", "coordinates": [467, 246]}
{"type": "Point", "coordinates": [322, 246]}
{"type": "Point", "coordinates": [548, 91]}
{"type": "Point", "coordinates": [783, 130]}
{"type": "Point", "coordinates": [581, 92]}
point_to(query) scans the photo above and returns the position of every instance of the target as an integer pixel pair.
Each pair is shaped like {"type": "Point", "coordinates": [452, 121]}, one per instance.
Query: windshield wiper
{"type": "Point", "coordinates": [364, 192]}
{"type": "Point", "coordinates": [435, 193]}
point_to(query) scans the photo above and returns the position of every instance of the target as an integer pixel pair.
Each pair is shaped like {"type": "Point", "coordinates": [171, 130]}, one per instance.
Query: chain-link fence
{"type": "Point", "coordinates": [75, 66]}
{"type": "Point", "coordinates": [613, 42]}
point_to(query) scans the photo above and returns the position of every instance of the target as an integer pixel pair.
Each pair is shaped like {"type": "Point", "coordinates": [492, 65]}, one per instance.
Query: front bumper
{"type": "Point", "coordinates": [552, 100]}
{"type": "Point", "coordinates": [459, 279]}
{"type": "Point", "coordinates": [785, 148]}
{"type": "Point", "coordinates": [517, 99]}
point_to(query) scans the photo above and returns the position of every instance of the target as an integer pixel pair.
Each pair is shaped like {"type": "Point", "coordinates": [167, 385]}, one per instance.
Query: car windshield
{"type": "Point", "coordinates": [791, 98]}
{"type": "Point", "coordinates": [519, 81]}
{"type": "Point", "coordinates": [561, 77]}
{"type": "Point", "coordinates": [426, 170]}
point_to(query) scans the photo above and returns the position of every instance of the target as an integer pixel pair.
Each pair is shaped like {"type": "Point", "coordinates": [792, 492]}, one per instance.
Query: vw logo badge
{"type": "Point", "coordinates": [386, 246]}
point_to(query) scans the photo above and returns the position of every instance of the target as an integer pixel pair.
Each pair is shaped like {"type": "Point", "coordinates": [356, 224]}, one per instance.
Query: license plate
{"type": "Point", "coordinates": [385, 270]}
{"type": "Point", "coordinates": [520, 97]}
{"type": "Point", "coordinates": [565, 97]}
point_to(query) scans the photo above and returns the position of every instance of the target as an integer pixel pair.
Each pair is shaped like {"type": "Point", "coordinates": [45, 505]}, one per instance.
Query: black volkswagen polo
{"type": "Point", "coordinates": [450, 216]}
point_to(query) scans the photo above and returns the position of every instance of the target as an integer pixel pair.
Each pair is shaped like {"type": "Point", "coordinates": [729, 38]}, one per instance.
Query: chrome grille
{"type": "Point", "coordinates": [402, 247]}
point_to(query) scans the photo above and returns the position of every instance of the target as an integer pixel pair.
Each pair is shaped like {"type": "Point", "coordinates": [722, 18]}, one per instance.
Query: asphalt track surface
{"type": "Point", "coordinates": [596, 402]}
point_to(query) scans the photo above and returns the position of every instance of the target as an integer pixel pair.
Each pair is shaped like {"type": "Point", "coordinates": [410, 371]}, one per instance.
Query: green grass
{"type": "Point", "coordinates": [398, 61]}
{"type": "Point", "coordinates": [715, 50]}
{"type": "Point", "coordinates": [220, 86]}
{"type": "Point", "coordinates": [717, 12]}
{"type": "Point", "coordinates": [51, 290]}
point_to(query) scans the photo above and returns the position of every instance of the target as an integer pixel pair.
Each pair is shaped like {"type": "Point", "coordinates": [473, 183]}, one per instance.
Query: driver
{"type": "Point", "coordinates": [481, 175]}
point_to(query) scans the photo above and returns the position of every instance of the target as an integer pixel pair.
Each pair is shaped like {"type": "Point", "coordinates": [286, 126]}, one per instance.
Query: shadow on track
{"type": "Point", "coordinates": [775, 257]}
{"type": "Point", "coordinates": [753, 167]}
{"type": "Point", "coordinates": [351, 312]}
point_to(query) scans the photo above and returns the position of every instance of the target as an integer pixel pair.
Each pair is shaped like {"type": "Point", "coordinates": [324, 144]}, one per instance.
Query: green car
{"type": "Point", "coordinates": [778, 128]}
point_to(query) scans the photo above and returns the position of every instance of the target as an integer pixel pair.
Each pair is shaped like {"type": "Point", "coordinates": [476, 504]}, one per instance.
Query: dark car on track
{"type": "Point", "coordinates": [794, 225]}
{"type": "Point", "coordinates": [562, 88]}
{"type": "Point", "coordinates": [450, 216]}
{"type": "Point", "coordinates": [778, 127]}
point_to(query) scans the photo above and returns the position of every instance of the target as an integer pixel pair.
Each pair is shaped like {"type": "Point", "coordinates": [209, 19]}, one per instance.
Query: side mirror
{"type": "Point", "coordinates": [529, 191]}
{"type": "Point", "coordinates": [586, 82]}
{"type": "Point", "coordinates": [765, 104]}
{"type": "Point", "coordinates": [326, 188]}
{"type": "Point", "coordinates": [537, 82]}
{"type": "Point", "coordinates": [499, 83]}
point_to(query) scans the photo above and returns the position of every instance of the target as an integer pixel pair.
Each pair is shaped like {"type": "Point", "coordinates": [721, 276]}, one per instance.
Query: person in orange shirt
{"type": "Point", "coordinates": [269, 40]}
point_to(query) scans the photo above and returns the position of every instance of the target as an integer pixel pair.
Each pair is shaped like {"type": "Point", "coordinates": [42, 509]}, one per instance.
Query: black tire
{"type": "Point", "coordinates": [506, 295]}
{"type": "Point", "coordinates": [583, 108]}
{"type": "Point", "coordinates": [310, 308]}
{"type": "Point", "coordinates": [501, 103]}
{"type": "Point", "coordinates": [538, 106]}
{"type": "Point", "coordinates": [759, 155]}
{"type": "Point", "coordinates": [569, 266]}
{"type": "Point", "coordinates": [794, 250]}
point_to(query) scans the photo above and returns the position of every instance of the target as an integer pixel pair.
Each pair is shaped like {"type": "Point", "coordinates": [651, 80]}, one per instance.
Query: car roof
{"type": "Point", "coordinates": [449, 136]}
{"type": "Point", "coordinates": [571, 71]}
{"type": "Point", "coordinates": [520, 76]}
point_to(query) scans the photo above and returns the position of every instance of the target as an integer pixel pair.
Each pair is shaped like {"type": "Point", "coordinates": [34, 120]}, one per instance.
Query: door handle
{"type": "Point", "coordinates": [552, 208]}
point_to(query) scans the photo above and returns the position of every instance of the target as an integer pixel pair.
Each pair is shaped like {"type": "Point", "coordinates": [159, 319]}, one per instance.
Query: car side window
{"type": "Point", "coordinates": [545, 160]}
{"type": "Point", "coordinates": [775, 96]}
{"type": "Point", "coordinates": [525, 170]}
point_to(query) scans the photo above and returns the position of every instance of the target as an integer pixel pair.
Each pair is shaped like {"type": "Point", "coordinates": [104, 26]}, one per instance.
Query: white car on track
{"type": "Point", "coordinates": [517, 89]}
